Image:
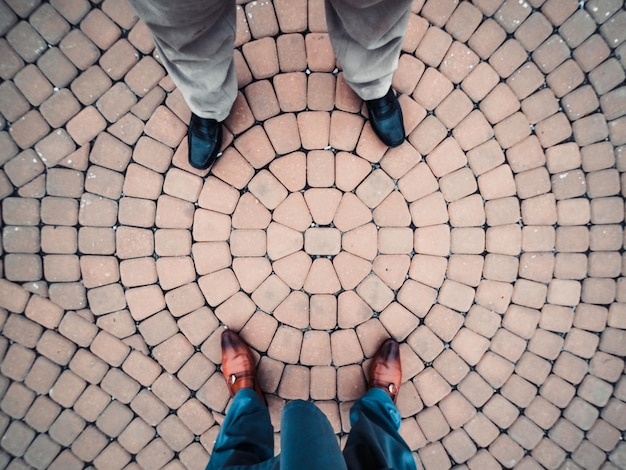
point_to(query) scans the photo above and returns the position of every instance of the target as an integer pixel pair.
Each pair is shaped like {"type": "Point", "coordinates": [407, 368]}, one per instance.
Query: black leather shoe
{"type": "Point", "coordinates": [205, 141]}
{"type": "Point", "coordinates": [386, 119]}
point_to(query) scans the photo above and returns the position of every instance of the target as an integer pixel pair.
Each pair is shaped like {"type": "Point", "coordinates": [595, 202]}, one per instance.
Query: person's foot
{"type": "Point", "coordinates": [238, 365]}
{"type": "Point", "coordinates": [386, 119]}
{"type": "Point", "coordinates": [386, 370]}
{"type": "Point", "coordinates": [204, 137]}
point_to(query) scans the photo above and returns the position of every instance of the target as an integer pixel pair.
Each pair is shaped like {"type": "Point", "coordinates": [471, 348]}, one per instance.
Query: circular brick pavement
{"type": "Point", "coordinates": [489, 243]}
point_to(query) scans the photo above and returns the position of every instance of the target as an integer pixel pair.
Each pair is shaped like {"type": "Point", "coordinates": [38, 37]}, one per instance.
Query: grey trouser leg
{"type": "Point", "coordinates": [367, 37]}
{"type": "Point", "coordinates": [195, 41]}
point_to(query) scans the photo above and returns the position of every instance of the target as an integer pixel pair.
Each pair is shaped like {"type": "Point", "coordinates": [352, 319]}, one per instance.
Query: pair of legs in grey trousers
{"type": "Point", "coordinates": [195, 40]}
{"type": "Point", "coordinates": [246, 439]}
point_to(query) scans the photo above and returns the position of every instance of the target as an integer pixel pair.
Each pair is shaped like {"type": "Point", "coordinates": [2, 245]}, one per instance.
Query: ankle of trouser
{"type": "Point", "coordinates": [371, 90]}
{"type": "Point", "coordinates": [377, 405]}
{"type": "Point", "coordinates": [247, 429]}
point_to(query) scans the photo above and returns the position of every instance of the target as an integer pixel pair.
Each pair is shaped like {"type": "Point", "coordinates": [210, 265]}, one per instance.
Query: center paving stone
{"type": "Point", "coordinates": [322, 241]}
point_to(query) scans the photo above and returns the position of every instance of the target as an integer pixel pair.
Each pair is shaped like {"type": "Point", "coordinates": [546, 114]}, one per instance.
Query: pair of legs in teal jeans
{"type": "Point", "coordinates": [246, 439]}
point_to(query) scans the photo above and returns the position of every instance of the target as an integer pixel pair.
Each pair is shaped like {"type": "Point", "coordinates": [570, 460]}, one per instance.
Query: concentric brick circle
{"type": "Point", "coordinates": [489, 244]}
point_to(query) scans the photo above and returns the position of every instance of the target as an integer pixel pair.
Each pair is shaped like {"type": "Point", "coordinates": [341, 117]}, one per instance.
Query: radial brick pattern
{"type": "Point", "coordinates": [490, 244]}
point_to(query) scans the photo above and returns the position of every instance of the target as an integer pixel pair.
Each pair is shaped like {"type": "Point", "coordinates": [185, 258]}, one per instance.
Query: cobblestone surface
{"type": "Point", "coordinates": [490, 244]}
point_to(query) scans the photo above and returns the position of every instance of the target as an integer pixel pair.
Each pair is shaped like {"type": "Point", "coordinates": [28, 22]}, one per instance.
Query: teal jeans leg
{"type": "Point", "coordinates": [307, 439]}
{"type": "Point", "coordinates": [374, 441]}
{"type": "Point", "coordinates": [246, 436]}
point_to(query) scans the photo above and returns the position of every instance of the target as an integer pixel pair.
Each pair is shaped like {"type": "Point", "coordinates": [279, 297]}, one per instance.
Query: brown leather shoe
{"type": "Point", "coordinates": [386, 370]}
{"type": "Point", "coordinates": [238, 365]}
